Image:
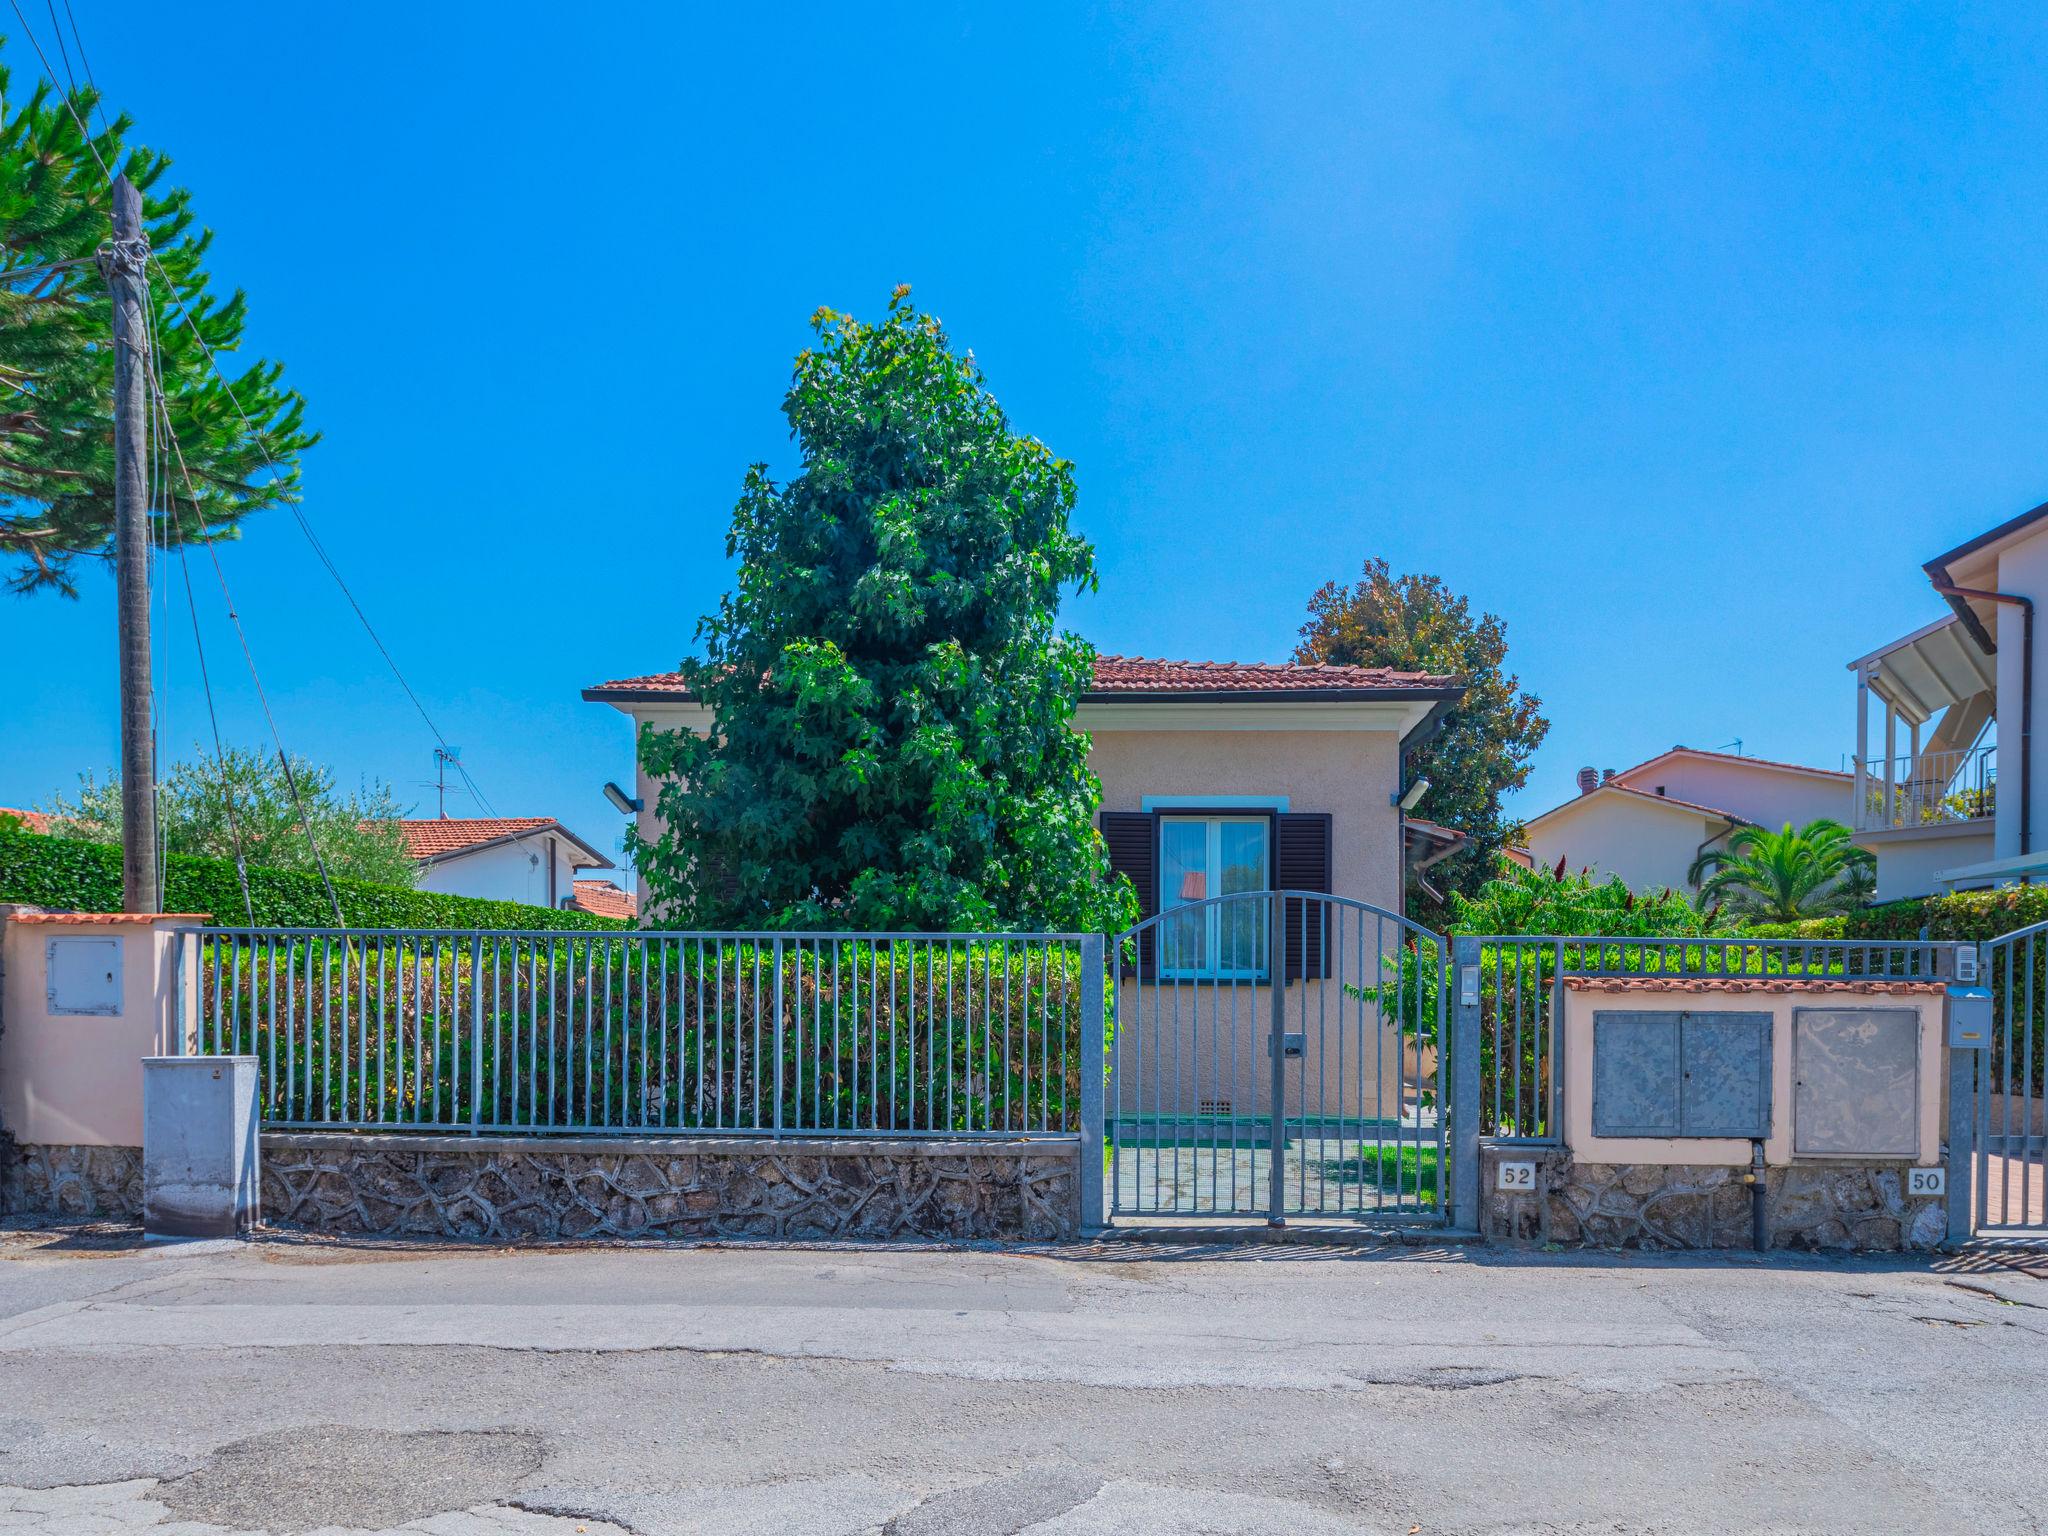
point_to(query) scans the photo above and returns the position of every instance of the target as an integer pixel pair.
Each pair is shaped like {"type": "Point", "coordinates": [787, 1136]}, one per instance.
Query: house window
{"type": "Point", "coordinates": [1201, 857]}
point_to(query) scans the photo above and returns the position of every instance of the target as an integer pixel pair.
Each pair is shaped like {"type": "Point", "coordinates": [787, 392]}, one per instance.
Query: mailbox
{"type": "Point", "coordinates": [1969, 1019]}
{"type": "Point", "coordinates": [1682, 1074]}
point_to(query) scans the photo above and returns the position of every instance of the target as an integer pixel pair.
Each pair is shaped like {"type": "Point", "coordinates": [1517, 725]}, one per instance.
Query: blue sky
{"type": "Point", "coordinates": [1677, 336]}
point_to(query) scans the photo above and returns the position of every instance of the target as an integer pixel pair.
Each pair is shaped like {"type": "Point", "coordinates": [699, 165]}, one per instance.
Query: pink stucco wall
{"type": "Point", "coordinates": [76, 1080]}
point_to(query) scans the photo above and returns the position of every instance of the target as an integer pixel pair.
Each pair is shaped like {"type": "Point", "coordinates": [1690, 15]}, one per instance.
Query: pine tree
{"type": "Point", "coordinates": [57, 360]}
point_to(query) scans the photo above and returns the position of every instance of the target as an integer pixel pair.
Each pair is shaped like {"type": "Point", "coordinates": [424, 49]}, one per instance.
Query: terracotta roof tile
{"type": "Point", "coordinates": [1615, 786]}
{"type": "Point", "coordinates": [1139, 674]}
{"type": "Point", "coordinates": [425, 839]}
{"type": "Point", "coordinates": [110, 919]}
{"type": "Point", "coordinates": [1736, 757]}
{"type": "Point", "coordinates": [602, 898]}
{"type": "Point", "coordinates": [1775, 985]}
{"type": "Point", "coordinates": [31, 821]}
{"type": "Point", "coordinates": [438, 837]}
{"type": "Point", "coordinates": [1144, 675]}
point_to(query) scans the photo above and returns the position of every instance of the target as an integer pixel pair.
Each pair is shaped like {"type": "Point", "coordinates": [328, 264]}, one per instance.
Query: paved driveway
{"type": "Point", "coordinates": [300, 1386]}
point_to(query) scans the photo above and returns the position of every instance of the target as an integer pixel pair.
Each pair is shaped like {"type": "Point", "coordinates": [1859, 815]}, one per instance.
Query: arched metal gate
{"type": "Point", "coordinates": [1279, 1053]}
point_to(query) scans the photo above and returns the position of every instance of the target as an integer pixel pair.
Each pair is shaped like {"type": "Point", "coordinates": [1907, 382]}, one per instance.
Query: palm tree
{"type": "Point", "coordinates": [1784, 876]}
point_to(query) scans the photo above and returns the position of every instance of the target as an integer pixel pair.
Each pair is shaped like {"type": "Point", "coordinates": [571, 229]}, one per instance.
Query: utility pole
{"type": "Point", "coordinates": [122, 263]}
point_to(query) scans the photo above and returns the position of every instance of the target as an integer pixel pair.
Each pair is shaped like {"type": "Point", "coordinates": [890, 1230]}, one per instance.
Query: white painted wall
{"type": "Point", "coordinates": [1907, 863]}
{"type": "Point", "coordinates": [508, 871]}
{"type": "Point", "coordinates": [1768, 796]}
{"type": "Point", "coordinates": [2023, 571]}
{"type": "Point", "coordinates": [1650, 847]}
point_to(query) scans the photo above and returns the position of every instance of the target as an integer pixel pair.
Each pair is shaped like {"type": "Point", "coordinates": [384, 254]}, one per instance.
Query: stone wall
{"type": "Point", "coordinates": [47, 1180]}
{"type": "Point", "coordinates": [1655, 1206]}
{"type": "Point", "coordinates": [509, 1189]}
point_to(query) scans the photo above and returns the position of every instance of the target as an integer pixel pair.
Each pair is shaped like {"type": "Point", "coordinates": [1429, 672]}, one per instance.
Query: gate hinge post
{"type": "Point", "coordinates": [1465, 1082]}
{"type": "Point", "coordinates": [1276, 1053]}
{"type": "Point", "coordinates": [1094, 1069]}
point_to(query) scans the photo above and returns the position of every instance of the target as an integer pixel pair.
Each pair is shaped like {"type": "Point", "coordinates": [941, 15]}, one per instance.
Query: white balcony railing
{"type": "Point", "coordinates": [1929, 790]}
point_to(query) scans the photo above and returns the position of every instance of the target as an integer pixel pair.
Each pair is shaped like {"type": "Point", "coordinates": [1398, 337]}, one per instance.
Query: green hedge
{"type": "Point", "coordinates": [1805, 928]}
{"type": "Point", "coordinates": [73, 875]}
{"type": "Point", "coordinates": [1965, 915]}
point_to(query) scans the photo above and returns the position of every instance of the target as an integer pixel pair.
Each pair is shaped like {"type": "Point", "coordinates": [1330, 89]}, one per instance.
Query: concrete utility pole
{"type": "Point", "coordinates": [122, 262]}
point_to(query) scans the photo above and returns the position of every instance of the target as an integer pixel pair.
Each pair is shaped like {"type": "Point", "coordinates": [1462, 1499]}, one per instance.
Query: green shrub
{"type": "Point", "coordinates": [69, 874]}
{"type": "Point", "coordinates": [1800, 928]}
{"type": "Point", "coordinates": [1537, 901]}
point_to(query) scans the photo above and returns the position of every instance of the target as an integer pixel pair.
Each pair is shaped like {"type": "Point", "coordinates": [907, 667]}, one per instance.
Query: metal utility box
{"type": "Point", "coordinates": [83, 975]}
{"type": "Point", "coordinates": [1856, 1082]}
{"type": "Point", "coordinates": [1681, 1074]}
{"type": "Point", "coordinates": [200, 1168]}
{"type": "Point", "coordinates": [1969, 1019]}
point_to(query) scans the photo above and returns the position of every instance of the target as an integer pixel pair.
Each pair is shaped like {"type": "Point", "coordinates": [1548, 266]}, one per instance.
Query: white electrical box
{"type": "Point", "coordinates": [84, 976]}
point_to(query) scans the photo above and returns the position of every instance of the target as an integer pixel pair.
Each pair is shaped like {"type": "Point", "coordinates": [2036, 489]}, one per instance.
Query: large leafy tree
{"type": "Point", "coordinates": [1483, 748]}
{"type": "Point", "coordinates": [244, 804]}
{"type": "Point", "coordinates": [892, 740]}
{"type": "Point", "coordinates": [57, 360]}
{"type": "Point", "coordinates": [1782, 876]}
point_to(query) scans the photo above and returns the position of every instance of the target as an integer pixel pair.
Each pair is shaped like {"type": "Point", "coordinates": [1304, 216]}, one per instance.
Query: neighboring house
{"type": "Point", "coordinates": [530, 859]}
{"type": "Point", "coordinates": [1945, 713]}
{"type": "Point", "coordinates": [602, 898]}
{"type": "Point", "coordinates": [31, 821]}
{"type": "Point", "coordinates": [1648, 824]}
{"type": "Point", "coordinates": [1216, 776]}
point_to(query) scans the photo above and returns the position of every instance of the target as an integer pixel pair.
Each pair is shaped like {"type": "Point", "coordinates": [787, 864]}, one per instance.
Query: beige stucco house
{"type": "Point", "coordinates": [1220, 778]}
{"type": "Point", "coordinates": [1268, 769]}
{"type": "Point", "coordinates": [1647, 824]}
{"type": "Point", "coordinates": [1945, 713]}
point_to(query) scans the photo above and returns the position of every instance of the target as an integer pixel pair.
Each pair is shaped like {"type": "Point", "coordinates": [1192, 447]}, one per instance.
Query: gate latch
{"type": "Point", "coordinates": [1292, 1044]}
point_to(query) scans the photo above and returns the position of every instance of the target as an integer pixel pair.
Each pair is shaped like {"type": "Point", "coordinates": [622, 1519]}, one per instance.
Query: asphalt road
{"type": "Point", "coordinates": [302, 1386]}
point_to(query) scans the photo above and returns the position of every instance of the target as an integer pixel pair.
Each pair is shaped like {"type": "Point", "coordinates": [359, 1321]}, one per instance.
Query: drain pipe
{"type": "Point", "coordinates": [2026, 607]}
{"type": "Point", "coordinates": [1759, 1224]}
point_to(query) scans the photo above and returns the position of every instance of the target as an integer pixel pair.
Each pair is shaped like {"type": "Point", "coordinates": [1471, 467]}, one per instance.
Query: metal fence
{"type": "Point", "coordinates": [1521, 991]}
{"type": "Point", "coordinates": [813, 1034]}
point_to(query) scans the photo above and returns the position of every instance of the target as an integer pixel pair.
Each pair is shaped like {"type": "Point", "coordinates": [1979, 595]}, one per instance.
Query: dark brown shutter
{"type": "Point", "coordinates": [1133, 850]}
{"type": "Point", "coordinates": [1304, 865]}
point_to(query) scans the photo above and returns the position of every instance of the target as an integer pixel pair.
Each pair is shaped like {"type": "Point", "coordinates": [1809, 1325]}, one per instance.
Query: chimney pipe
{"type": "Point", "coordinates": [1589, 780]}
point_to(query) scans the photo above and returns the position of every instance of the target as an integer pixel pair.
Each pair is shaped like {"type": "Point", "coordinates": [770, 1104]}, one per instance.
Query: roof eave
{"type": "Point", "coordinates": [1937, 570]}
{"type": "Point", "coordinates": [556, 829]}
{"type": "Point", "coordinates": [1448, 694]}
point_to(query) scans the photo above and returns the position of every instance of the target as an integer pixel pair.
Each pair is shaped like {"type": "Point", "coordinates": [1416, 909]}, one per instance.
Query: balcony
{"type": "Point", "coordinates": [1930, 790]}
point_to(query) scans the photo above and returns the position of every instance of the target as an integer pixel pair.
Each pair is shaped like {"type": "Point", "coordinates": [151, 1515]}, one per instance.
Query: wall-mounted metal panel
{"type": "Point", "coordinates": [1856, 1075]}
{"type": "Point", "coordinates": [1681, 1074]}
{"type": "Point", "coordinates": [1636, 1074]}
{"type": "Point", "coordinates": [83, 976]}
{"type": "Point", "coordinates": [1727, 1088]}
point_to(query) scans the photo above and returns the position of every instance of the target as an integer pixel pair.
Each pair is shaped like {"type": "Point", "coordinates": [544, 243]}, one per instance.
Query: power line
{"type": "Point", "coordinates": [160, 413]}
{"type": "Point", "coordinates": [290, 779]}
{"type": "Point", "coordinates": [290, 496]}
{"type": "Point", "coordinates": [291, 500]}
{"type": "Point", "coordinates": [99, 103]}
{"type": "Point", "coordinates": [62, 52]}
